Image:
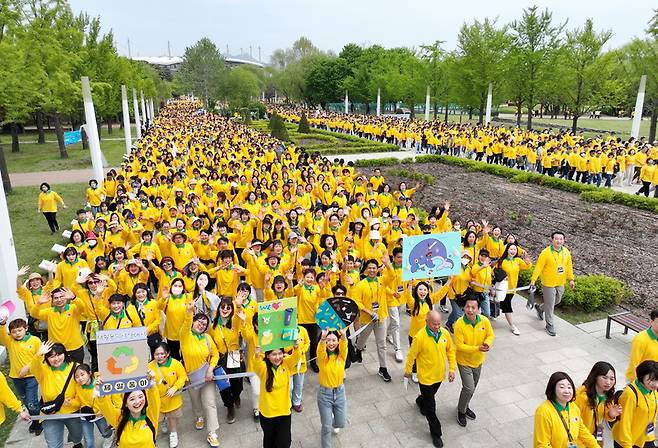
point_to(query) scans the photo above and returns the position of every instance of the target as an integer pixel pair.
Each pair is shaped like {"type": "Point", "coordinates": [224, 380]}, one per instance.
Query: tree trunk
{"type": "Point", "coordinates": [470, 113]}
{"type": "Point", "coordinates": [445, 117]}
{"type": "Point", "coordinates": [60, 136]}
{"type": "Point", "coordinates": [519, 110]}
{"type": "Point", "coordinates": [481, 114]}
{"type": "Point", "coordinates": [109, 125]}
{"type": "Point", "coordinates": [85, 140]}
{"type": "Point", "coordinates": [541, 110]}
{"type": "Point", "coordinates": [15, 145]}
{"type": "Point", "coordinates": [530, 108]}
{"type": "Point", "coordinates": [574, 123]}
{"type": "Point", "coordinates": [120, 120]}
{"type": "Point", "coordinates": [654, 119]}
{"type": "Point", "coordinates": [42, 135]}
{"type": "Point", "coordinates": [98, 129]}
{"type": "Point", "coordinates": [4, 172]}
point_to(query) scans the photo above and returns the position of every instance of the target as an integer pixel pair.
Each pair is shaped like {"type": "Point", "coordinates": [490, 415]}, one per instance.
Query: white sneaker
{"type": "Point", "coordinates": [108, 442]}
{"type": "Point", "coordinates": [414, 377]}
{"type": "Point", "coordinates": [399, 357]}
{"type": "Point", "coordinates": [336, 430]}
{"type": "Point", "coordinates": [173, 440]}
{"type": "Point", "coordinates": [213, 440]}
{"type": "Point", "coordinates": [515, 330]}
{"type": "Point", "coordinates": [444, 308]}
{"type": "Point", "coordinates": [163, 427]}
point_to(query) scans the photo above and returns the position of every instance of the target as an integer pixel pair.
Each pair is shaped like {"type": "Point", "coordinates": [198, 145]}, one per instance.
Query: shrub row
{"type": "Point", "coordinates": [427, 179]}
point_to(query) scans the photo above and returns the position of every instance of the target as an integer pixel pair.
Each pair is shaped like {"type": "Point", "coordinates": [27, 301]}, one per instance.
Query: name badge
{"type": "Point", "coordinates": [375, 306]}
{"type": "Point", "coordinates": [599, 433]}
{"type": "Point", "coordinates": [572, 445]}
{"type": "Point", "coordinates": [400, 289]}
{"type": "Point", "coordinates": [650, 429]}
{"type": "Point", "coordinates": [560, 269]}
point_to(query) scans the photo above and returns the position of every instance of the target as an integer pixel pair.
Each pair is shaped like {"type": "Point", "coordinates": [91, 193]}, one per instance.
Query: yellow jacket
{"type": "Point", "coordinates": [308, 300]}
{"type": "Point", "coordinates": [7, 398]}
{"type": "Point", "coordinates": [469, 336]}
{"type": "Point", "coordinates": [51, 382]}
{"type": "Point", "coordinates": [332, 366]}
{"type": "Point", "coordinates": [196, 349]}
{"type": "Point", "coordinates": [169, 375]}
{"type": "Point", "coordinates": [175, 312]}
{"type": "Point", "coordinates": [587, 413]}
{"type": "Point", "coordinates": [639, 408]}
{"type": "Point", "coordinates": [66, 273]}
{"type": "Point", "coordinates": [554, 267]}
{"type": "Point", "coordinates": [277, 402]}
{"type": "Point", "coordinates": [550, 431]}
{"type": "Point", "coordinates": [64, 324]}
{"type": "Point", "coordinates": [643, 347]}
{"type": "Point", "coordinates": [20, 352]}
{"type": "Point", "coordinates": [48, 201]}
{"type": "Point", "coordinates": [431, 355]}
{"type": "Point", "coordinates": [512, 267]}
{"type": "Point", "coordinates": [417, 322]}
{"type": "Point", "coordinates": [370, 294]}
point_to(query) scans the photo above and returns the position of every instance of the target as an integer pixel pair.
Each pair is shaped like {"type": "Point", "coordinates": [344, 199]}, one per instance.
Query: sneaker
{"type": "Point", "coordinates": [237, 402]}
{"type": "Point", "coordinates": [297, 407]}
{"type": "Point", "coordinates": [515, 330]}
{"type": "Point", "coordinates": [419, 403]}
{"type": "Point", "coordinates": [437, 442]}
{"type": "Point", "coordinates": [399, 357]}
{"type": "Point", "coordinates": [550, 331]}
{"type": "Point", "coordinates": [461, 419]}
{"type": "Point", "coordinates": [256, 415]}
{"type": "Point", "coordinates": [314, 366]}
{"type": "Point", "coordinates": [450, 328]}
{"type": "Point", "coordinates": [444, 308]}
{"type": "Point", "coordinates": [173, 440]}
{"type": "Point", "coordinates": [414, 377]}
{"type": "Point", "coordinates": [230, 415]}
{"type": "Point", "coordinates": [212, 439]}
{"type": "Point", "coordinates": [108, 442]}
{"type": "Point", "coordinates": [540, 312]}
{"type": "Point", "coordinates": [38, 429]}
{"type": "Point", "coordinates": [336, 430]}
{"type": "Point", "coordinates": [163, 427]}
{"type": "Point", "coordinates": [384, 374]}
{"type": "Point", "coordinates": [200, 423]}
{"type": "Point", "coordinates": [357, 355]}
{"type": "Point", "coordinates": [78, 445]}
{"type": "Point", "coordinates": [470, 414]}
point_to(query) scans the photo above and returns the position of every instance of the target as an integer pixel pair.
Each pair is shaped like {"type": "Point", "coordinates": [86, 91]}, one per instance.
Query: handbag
{"type": "Point", "coordinates": [223, 383]}
{"type": "Point", "coordinates": [53, 406]}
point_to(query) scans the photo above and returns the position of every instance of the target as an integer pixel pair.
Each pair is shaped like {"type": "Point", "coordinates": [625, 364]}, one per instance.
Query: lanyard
{"type": "Point", "coordinates": [566, 427]}
{"type": "Point", "coordinates": [655, 410]}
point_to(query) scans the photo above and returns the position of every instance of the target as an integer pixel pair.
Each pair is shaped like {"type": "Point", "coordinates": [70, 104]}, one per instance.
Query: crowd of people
{"type": "Point", "coordinates": [604, 160]}
{"type": "Point", "coordinates": [205, 219]}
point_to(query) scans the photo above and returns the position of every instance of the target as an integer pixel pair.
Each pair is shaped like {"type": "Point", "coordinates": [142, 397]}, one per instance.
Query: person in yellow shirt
{"type": "Point", "coordinates": [86, 402]}
{"type": "Point", "coordinates": [22, 347]}
{"type": "Point", "coordinates": [473, 339]}
{"type": "Point", "coordinates": [644, 346]}
{"type": "Point", "coordinates": [47, 204]}
{"type": "Point", "coordinates": [332, 404]}
{"type": "Point", "coordinates": [67, 269]}
{"type": "Point", "coordinates": [639, 401]}
{"type": "Point", "coordinates": [136, 420]}
{"type": "Point", "coordinates": [170, 377]}
{"type": "Point", "coordinates": [274, 371]}
{"type": "Point", "coordinates": [595, 399]}
{"type": "Point", "coordinates": [53, 369]}
{"type": "Point", "coordinates": [646, 177]}
{"type": "Point", "coordinates": [431, 349]}
{"type": "Point", "coordinates": [557, 420]}
{"type": "Point", "coordinates": [554, 267]}
{"type": "Point", "coordinates": [8, 399]}
{"type": "Point", "coordinates": [512, 264]}
{"type": "Point", "coordinates": [94, 196]}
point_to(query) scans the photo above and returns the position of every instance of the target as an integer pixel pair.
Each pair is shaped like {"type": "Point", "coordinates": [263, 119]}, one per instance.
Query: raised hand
{"type": "Point", "coordinates": [45, 348]}
{"type": "Point", "coordinates": [23, 270]}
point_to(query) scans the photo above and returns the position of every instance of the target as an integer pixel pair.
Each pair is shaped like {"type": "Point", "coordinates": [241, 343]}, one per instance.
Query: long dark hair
{"type": "Point", "coordinates": [417, 300]}
{"type": "Point", "coordinates": [601, 368]}
{"type": "Point", "coordinates": [125, 416]}
{"type": "Point", "coordinates": [506, 254]}
{"type": "Point", "coordinates": [269, 380]}
{"type": "Point", "coordinates": [465, 239]}
{"type": "Point", "coordinates": [218, 317]}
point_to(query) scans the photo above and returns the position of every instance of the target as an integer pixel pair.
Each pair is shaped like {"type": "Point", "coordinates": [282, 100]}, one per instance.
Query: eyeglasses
{"type": "Point", "coordinates": [225, 307]}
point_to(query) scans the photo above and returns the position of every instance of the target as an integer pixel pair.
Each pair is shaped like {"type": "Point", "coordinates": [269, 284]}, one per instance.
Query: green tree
{"type": "Point", "coordinates": [203, 71]}
{"type": "Point", "coordinates": [242, 86]}
{"type": "Point", "coordinates": [303, 127]}
{"type": "Point", "coordinates": [583, 68]}
{"type": "Point", "coordinates": [535, 41]}
{"type": "Point", "coordinates": [323, 80]}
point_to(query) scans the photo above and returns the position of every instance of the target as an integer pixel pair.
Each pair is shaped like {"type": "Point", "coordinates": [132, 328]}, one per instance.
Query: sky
{"type": "Point", "coordinates": [272, 24]}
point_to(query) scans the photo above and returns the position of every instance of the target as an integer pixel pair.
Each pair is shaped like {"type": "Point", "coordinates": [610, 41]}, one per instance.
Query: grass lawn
{"type": "Point", "coordinates": [31, 233]}
{"type": "Point", "coordinates": [5, 428]}
{"type": "Point", "coordinates": [34, 157]}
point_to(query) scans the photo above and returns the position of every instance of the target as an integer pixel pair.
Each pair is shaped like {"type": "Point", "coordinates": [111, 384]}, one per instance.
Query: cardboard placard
{"type": "Point", "coordinates": [277, 324]}
{"type": "Point", "coordinates": [123, 357]}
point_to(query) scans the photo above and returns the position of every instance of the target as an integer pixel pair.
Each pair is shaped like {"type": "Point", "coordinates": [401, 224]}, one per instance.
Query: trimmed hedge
{"type": "Point", "coordinates": [427, 179]}
{"type": "Point", "coordinates": [595, 292]}
{"type": "Point", "coordinates": [387, 161]}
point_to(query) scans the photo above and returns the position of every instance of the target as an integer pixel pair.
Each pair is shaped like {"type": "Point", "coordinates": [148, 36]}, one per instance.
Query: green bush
{"type": "Point", "coordinates": [277, 128]}
{"type": "Point", "coordinates": [615, 197]}
{"type": "Point", "coordinates": [387, 161]}
{"type": "Point", "coordinates": [427, 179]}
{"type": "Point", "coordinates": [524, 279]}
{"type": "Point", "coordinates": [595, 292]}
{"type": "Point", "coordinates": [303, 127]}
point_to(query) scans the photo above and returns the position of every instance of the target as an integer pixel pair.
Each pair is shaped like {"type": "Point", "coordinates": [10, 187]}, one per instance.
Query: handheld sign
{"type": "Point", "coordinates": [429, 256]}
{"type": "Point", "coordinates": [72, 137]}
{"type": "Point", "coordinates": [123, 360]}
{"type": "Point", "coordinates": [336, 313]}
{"type": "Point", "coordinates": [277, 324]}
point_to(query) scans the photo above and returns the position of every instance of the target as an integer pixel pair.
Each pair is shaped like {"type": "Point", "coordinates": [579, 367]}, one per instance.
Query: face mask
{"type": "Point", "coordinates": [176, 290]}
{"type": "Point", "coordinates": [465, 261]}
{"type": "Point", "coordinates": [92, 243]}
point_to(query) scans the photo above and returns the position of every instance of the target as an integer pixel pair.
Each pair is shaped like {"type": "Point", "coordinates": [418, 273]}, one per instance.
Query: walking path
{"type": "Point", "coordinates": [385, 415]}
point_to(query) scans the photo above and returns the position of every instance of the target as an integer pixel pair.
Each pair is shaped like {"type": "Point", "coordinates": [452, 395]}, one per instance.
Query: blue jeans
{"type": "Point", "coordinates": [88, 431]}
{"type": "Point", "coordinates": [332, 405]}
{"type": "Point", "coordinates": [53, 431]}
{"type": "Point", "coordinates": [296, 387]}
{"type": "Point", "coordinates": [485, 306]}
{"type": "Point", "coordinates": [608, 179]}
{"type": "Point", "coordinates": [28, 392]}
{"type": "Point", "coordinates": [455, 313]}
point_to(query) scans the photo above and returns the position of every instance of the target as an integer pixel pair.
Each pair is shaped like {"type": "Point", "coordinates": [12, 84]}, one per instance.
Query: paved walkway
{"type": "Point", "coordinates": [382, 415]}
